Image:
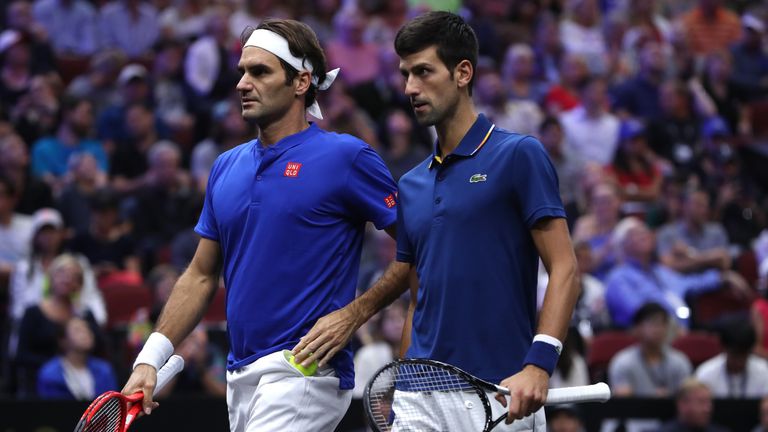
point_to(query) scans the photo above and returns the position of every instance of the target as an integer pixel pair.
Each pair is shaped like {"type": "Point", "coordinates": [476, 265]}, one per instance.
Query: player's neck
{"type": "Point", "coordinates": [290, 124]}
{"type": "Point", "coordinates": [78, 359]}
{"type": "Point", "coordinates": [453, 128]}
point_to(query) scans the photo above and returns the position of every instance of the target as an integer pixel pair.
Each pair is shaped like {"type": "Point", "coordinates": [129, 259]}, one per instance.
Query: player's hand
{"type": "Point", "coordinates": [143, 379]}
{"type": "Point", "coordinates": [528, 392]}
{"type": "Point", "coordinates": [327, 337]}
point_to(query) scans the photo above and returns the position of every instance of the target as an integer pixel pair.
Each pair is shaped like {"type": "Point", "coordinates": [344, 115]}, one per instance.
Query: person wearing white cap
{"type": "Point", "coordinates": [283, 221]}
{"type": "Point", "coordinates": [750, 61]}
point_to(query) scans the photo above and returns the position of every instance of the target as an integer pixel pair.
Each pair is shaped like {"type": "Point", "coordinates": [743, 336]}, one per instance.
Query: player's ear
{"type": "Point", "coordinates": [463, 73]}
{"type": "Point", "coordinates": [303, 81]}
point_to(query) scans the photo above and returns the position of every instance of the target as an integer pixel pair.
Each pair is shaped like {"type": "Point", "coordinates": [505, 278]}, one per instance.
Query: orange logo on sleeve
{"type": "Point", "coordinates": [390, 201]}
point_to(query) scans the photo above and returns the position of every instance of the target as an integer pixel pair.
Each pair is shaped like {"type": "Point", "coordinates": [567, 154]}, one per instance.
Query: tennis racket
{"type": "Point", "coordinates": [110, 413]}
{"type": "Point", "coordinates": [426, 388]}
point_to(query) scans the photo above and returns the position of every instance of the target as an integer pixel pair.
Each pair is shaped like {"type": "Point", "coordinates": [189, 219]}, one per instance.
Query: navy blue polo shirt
{"type": "Point", "coordinates": [290, 219]}
{"type": "Point", "coordinates": [465, 222]}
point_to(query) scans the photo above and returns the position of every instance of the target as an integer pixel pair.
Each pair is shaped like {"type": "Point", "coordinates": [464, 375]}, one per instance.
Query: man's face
{"type": "Point", "coordinates": [697, 208]}
{"type": "Point", "coordinates": [695, 409]}
{"type": "Point", "coordinates": [263, 92]}
{"type": "Point", "coordinates": [81, 118]}
{"type": "Point", "coordinates": [430, 86]}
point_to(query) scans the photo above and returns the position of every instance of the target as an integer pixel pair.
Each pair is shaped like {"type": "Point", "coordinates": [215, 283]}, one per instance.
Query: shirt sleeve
{"type": "Point", "coordinates": [371, 193]}
{"type": "Point", "coordinates": [404, 247]}
{"type": "Point", "coordinates": [206, 225]}
{"type": "Point", "coordinates": [535, 182]}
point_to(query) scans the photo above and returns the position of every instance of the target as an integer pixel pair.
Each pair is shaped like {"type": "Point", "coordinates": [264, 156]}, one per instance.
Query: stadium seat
{"type": "Point", "coordinates": [710, 308]}
{"type": "Point", "coordinates": [699, 346]}
{"type": "Point", "coordinates": [122, 300]}
{"type": "Point", "coordinates": [602, 349]}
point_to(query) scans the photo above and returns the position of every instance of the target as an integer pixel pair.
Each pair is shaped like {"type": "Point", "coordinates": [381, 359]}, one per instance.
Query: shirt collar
{"type": "Point", "coordinates": [292, 140]}
{"type": "Point", "coordinates": [473, 141]}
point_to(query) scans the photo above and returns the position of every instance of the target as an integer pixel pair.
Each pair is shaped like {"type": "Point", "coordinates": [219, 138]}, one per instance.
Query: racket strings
{"type": "Point", "coordinates": [410, 397]}
{"type": "Point", "coordinates": [107, 418]}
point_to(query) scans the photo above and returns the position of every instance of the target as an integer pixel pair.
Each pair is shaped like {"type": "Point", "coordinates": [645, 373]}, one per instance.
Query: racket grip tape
{"type": "Point", "coordinates": [173, 366]}
{"type": "Point", "coordinates": [599, 392]}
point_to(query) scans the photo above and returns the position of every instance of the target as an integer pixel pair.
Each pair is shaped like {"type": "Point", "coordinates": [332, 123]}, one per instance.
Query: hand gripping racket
{"type": "Point", "coordinates": [110, 413]}
{"type": "Point", "coordinates": [428, 387]}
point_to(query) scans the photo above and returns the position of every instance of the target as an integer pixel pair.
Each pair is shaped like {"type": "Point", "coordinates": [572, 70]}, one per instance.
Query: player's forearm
{"type": "Point", "coordinates": [562, 293]}
{"type": "Point", "coordinates": [186, 305]}
{"type": "Point", "coordinates": [387, 289]}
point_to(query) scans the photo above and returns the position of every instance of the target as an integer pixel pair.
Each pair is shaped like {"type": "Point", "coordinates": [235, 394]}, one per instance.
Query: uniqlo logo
{"type": "Point", "coordinates": [292, 169]}
{"type": "Point", "coordinates": [390, 201]}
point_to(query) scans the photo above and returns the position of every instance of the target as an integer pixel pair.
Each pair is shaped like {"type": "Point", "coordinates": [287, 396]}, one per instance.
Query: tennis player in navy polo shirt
{"type": "Point", "coordinates": [283, 222]}
{"type": "Point", "coordinates": [474, 218]}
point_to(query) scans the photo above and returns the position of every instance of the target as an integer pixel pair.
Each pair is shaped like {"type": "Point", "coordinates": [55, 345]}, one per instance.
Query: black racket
{"type": "Point", "coordinates": [447, 388]}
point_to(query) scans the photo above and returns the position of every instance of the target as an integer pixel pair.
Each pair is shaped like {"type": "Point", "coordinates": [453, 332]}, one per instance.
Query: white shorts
{"type": "Point", "coordinates": [466, 413]}
{"type": "Point", "coordinates": [271, 395]}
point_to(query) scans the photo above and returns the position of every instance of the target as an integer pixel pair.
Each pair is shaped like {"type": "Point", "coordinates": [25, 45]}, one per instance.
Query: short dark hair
{"type": "Point", "coordinates": [548, 122]}
{"type": "Point", "coordinates": [303, 43]}
{"type": "Point", "coordinates": [454, 38]}
{"type": "Point", "coordinates": [738, 336]}
{"type": "Point", "coordinates": [649, 311]}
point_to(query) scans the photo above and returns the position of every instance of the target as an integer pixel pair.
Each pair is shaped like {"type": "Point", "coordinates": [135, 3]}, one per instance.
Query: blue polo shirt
{"type": "Point", "coordinates": [290, 219]}
{"type": "Point", "coordinates": [465, 222]}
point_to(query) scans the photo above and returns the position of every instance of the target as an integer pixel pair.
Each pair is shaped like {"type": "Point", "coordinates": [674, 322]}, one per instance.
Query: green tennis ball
{"type": "Point", "coordinates": [306, 371]}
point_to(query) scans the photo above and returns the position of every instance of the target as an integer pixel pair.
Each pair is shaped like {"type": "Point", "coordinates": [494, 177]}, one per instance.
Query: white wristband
{"type": "Point", "coordinates": [549, 340]}
{"type": "Point", "coordinates": [157, 350]}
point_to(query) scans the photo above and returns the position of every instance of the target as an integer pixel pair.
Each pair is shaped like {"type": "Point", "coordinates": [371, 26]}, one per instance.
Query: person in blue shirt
{"type": "Point", "coordinates": [75, 374]}
{"type": "Point", "coordinates": [473, 220]}
{"type": "Point", "coordinates": [282, 222]}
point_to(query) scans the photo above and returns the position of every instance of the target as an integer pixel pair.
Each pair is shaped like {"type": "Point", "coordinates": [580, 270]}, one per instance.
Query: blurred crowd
{"type": "Point", "coordinates": [654, 113]}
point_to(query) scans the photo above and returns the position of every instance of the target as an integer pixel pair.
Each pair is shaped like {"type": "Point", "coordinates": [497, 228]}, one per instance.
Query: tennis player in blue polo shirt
{"type": "Point", "coordinates": [474, 218]}
{"type": "Point", "coordinates": [283, 222]}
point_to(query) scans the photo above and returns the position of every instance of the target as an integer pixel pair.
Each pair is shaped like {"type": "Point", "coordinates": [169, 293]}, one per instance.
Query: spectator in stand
{"type": "Point", "coordinates": [106, 244]}
{"type": "Point", "coordinates": [763, 415]}
{"type": "Point", "coordinates": [519, 77]}
{"type": "Point", "coordinates": [564, 418]}
{"type": "Point", "coordinates": [385, 23]}
{"type": "Point", "coordinates": [710, 27]}
{"type": "Point", "coordinates": [84, 178]}
{"type": "Point", "coordinates": [131, 26]}
{"type": "Point", "coordinates": [694, 409]}
{"type": "Point", "coordinates": [636, 168]}
{"type": "Point", "coordinates": [42, 323]}
{"type": "Point", "coordinates": [185, 19]}
{"type": "Point", "coordinates": [639, 279]}
{"type": "Point", "coordinates": [581, 33]}
{"type": "Point", "coordinates": [208, 65]}
{"type": "Point", "coordinates": [344, 115]}
{"type": "Point", "coordinates": [36, 114]}
{"type": "Point", "coordinates": [549, 49]}
{"type": "Point", "coordinates": [650, 367]}
{"type": "Point", "coordinates": [571, 369]}
{"type": "Point", "coordinates": [249, 13]}
{"type": "Point", "coordinates": [31, 282]}
{"type": "Point", "coordinates": [99, 84]}
{"type": "Point", "coordinates": [75, 374]}
{"type": "Point", "coordinates": [51, 155]}
{"type": "Point", "coordinates": [694, 242]}
{"type": "Point", "coordinates": [646, 24]}
{"type": "Point", "coordinates": [513, 114]}
{"type": "Point", "coordinates": [16, 68]}
{"type": "Point", "coordinates": [564, 96]}
{"type": "Point", "coordinates": [737, 372]}
{"type": "Point", "coordinates": [70, 24]}
{"type": "Point", "coordinates": [674, 133]}
{"type": "Point", "coordinates": [347, 47]}
{"type": "Point", "coordinates": [129, 161]}
{"type": "Point", "coordinates": [639, 96]}
{"type": "Point", "coordinates": [596, 226]}
{"type": "Point", "coordinates": [750, 61]}
{"type": "Point", "coordinates": [228, 130]}
{"type": "Point", "coordinates": [403, 151]}
{"type": "Point", "coordinates": [168, 89]}
{"type": "Point", "coordinates": [19, 17]}
{"type": "Point", "coordinates": [164, 202]}
{"type": "Point", "coordinates": [15, 231]}
{"type": "Point", "coordinates": [725, 94]}
{"type": "Point", "coordinates": [567, 164]}
{"type": "Point", "coordinates": [591, 130]}
{"type": "Point", "coordinates": [14, 165]}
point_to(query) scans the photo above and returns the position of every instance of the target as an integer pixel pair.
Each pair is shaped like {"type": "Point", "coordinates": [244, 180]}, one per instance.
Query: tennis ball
{"type": "Point", "coordinates": [306, 371]}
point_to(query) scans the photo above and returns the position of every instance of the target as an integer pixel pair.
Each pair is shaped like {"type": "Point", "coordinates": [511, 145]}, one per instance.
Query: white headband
{"type": "Point", "coordinates": [278, 45]}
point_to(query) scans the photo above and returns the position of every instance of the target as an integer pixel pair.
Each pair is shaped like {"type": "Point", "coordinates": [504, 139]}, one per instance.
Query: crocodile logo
{"type": "Point", "coordinates": [477, 178]}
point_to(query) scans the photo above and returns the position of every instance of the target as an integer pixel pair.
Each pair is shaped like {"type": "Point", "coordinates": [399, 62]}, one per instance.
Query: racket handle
{"type": "Point", "coordinates": [599, 392]}
{"type": "Point", "coordinates": [169, 370]}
